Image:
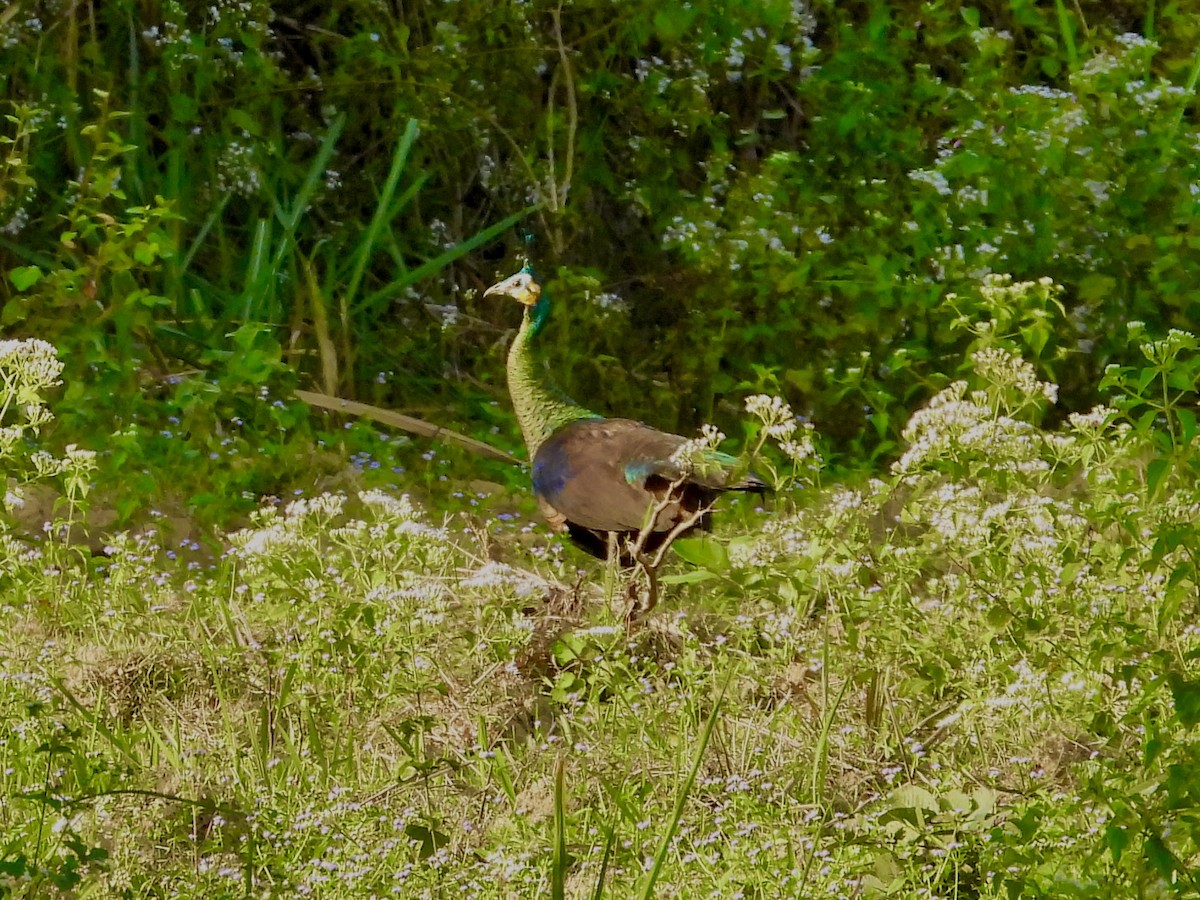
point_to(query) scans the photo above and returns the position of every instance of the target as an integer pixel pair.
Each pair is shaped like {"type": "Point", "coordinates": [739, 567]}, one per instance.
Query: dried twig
{"type": "Point", "coordinates": [399, 420]}
{"type": "Point", "coordinates": [649, 566]}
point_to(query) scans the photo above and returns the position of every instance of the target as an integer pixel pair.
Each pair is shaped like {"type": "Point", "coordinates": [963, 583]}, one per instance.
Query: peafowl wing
{"type": "Point", "coordinates": [604, 475]}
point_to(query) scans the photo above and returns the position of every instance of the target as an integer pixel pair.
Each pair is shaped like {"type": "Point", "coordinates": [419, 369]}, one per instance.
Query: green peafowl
{"type": "Point", "coordinates": [618, 487]}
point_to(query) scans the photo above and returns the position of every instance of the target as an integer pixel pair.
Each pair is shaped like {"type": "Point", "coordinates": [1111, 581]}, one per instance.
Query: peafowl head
{"type": "Point", "coordinates": [522, 287]}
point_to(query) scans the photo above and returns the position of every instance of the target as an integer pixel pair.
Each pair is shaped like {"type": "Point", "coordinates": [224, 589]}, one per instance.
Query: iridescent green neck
{"type": "Point", "coordinates": [540, 407]}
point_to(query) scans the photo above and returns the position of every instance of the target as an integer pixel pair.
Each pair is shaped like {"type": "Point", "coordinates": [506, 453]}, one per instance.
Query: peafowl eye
{"type": "Point", "coordinates": [601, 479]}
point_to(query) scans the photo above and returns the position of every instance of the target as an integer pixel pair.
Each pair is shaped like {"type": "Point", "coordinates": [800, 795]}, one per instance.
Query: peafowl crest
{"type": "Point", "coordinates": [619, 488]}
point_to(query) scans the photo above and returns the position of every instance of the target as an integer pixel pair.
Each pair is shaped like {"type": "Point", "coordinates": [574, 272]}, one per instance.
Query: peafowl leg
{"type": "Point", "coordinates": [612, 565]}
{"type": "Point", "coordinates": [648, 564]}
{"type": "Point", "coordinates": [637, 603]}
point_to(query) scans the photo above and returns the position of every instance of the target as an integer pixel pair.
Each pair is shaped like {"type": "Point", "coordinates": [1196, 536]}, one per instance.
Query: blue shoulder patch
{"type": "Point", "coordinates": [551, 470]}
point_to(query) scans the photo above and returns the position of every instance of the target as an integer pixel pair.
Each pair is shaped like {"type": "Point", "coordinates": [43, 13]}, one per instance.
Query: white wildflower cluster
{"type": "Point", "coordinates": [16, 222]}
{"type": "Point", "coordinates": [795, 438]}
{"type": "Point", "coordinates": [78, 466]}
{"type": "Point", "coordinates": [309, 545]}
{"type": "Point", "coordinates": [387, 504]}
{"type": "Point", "coordinates": [1025, 527]}
{"type": "Point", "coordinates": [447, 314]}
{"type": "Point", "coordinates": [800, 448]}
{"type": "Point", "coordinates": [501, 575]}
{"type": "Point", "coordinates": [1008, 372]}
{"type": "Point", "coordinates": [1134, 41]}
{"type": "Point", "coordinates": [781, 537]}
{"type": "Point", "coordinates": [838, 572]}
{"type": "Point", "coordinates": [958, 427]}
{"type": "Point", "coordinates": [1068, 121]}
{"type": "Point", "coordinates": [691, 453]}
{"type": "Point", "coordinates": [273, 533]}
{"type": "Point", "coordinates": [28, 368]}
{"type": "Point", "coordinates": [323, 507]}
{"type": "Point", "coordinates": [989, 36]}
{"type": "Point", "coordinates": [239, 12]}
{"type": "Point", "coordinates": [933, 178]}
{"type": "Point", "coordinates": [1040, 90]}
{"type": "Point", "coordinates": [17, 29]}
{"type": "Point", "coordinates": [953, 512]}
{"type": "Point", "coordinates": [237, 170]}
{"type": "Point", "coordinates": [16, 556]}
{"type": "Point", "coordinates": [1027, 690]}
{"type": "Point", "coordinates": [1150, 97]}
{"type": "Point", "coordinates": [1168, 348]}
{"type": "Point", "coordinates": [999, 291]}
{"type": "Point", "coordinates": [440, 235]}
{"type": "Point", "coordinates": [773, 412]}
{"type": "Point", "coordinates": [692, 235]}
{"type": "Point", "coordinates": [1093, 424]}
{"type": "Point", "coordinates": [609, 301]}
{"type": "Point", "coordinates": [1128, 59]}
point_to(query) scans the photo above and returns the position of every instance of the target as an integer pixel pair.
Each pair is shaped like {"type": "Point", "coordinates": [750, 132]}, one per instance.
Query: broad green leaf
{"type": "Point", "coordinates": [705, 552]}
{"type": "Point", "coordinates": [25, 277]}
{"type": "Point", "coordinates": [1117, 839]}
{"type": "Point", "coordinates": [1186, 694]}
{"type": "Point", "coordinates": [1095, 286]}
{"type": "Point", "coordinates": [1156, 473]}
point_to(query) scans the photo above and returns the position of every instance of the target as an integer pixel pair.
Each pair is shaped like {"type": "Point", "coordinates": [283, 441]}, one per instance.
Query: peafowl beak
{"type": "Point", "coordinates": [520, 287]}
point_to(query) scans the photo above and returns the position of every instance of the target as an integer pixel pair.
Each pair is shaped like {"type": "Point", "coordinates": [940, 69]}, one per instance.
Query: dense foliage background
{"type": "Point", "coordinates": [204, 202]}
{"type": "Point", "coordinates": [955, 655]}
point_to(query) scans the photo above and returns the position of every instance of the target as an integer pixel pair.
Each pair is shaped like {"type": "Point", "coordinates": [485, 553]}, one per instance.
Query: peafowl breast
{"type": "Point", "coordinates": [596, 477]}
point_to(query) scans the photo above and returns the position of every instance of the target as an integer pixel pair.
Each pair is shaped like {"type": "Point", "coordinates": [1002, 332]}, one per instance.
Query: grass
{"type": "Point", "coordinates": [974, 677]}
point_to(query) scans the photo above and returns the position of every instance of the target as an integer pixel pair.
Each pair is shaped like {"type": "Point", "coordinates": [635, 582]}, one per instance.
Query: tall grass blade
{"type": "Point", "coordinates": [821, 751]}
{"type": "Point", "coordinates": [558, 866]}
{"type": "Point", "coordinates": [325, 346]}
{"type": "Point", "coordinates": [211, 219]}
{"type": "Point", "coordinates": [258, 293]}
{"type": "Point", "coordinates": [290, 218]}
{"type": "Point", "coordinates": [257, 275]}
{"type": "Point", "coordinates": [681, 798]}
{"type": "Point", "coordinates": [372, 303]}
{"type": "Point", "coordinates": [1177, 119]}
{"type": "Point", "coordinates": [610, 836]}
{"type": "Point", "coordinates": [1066, 31]}
{"type": "Point", "coordinates": [98, 725]}
{"type": "Point", "coordinates": [384, 209]}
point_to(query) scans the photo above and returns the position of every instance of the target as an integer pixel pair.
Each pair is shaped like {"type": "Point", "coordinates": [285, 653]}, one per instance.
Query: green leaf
{"type": "Point", "coordinates": [239, 118]}
{"type": "Point", "coordinates": [1095, 286]}
{"type": "Point", "coordinates": [1187, 424]}
{"type": "Point", "coordinates": [1117, 839]}
{"type": "Point", "coordinates": [25, 277]}
{"type": "Point", "coordinates": [430, 838]}
{"type": "Point", "coordinates": [183, 108]}
{"type": "Point", "coordinates": [694, 577]}
{"type": "Point", "coordinates": [374, 302]}
{"type": "Point", "coordinates": [1160, 856]}
{"type": "Point", "coordinates": [1186, 694]}
{"type": "Point", "coordinates": [998, 616]}
{"type": "Point", "coordinates": [1036, 336]}
{"type": "Point", "coordinates": [145, 252]}
{"type": "Point", "coordinates": [704, 552]}
{"type": "Point", "coordinates": [1156, 472]}
{"type": "Point", "coordinates": [673, 20]}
